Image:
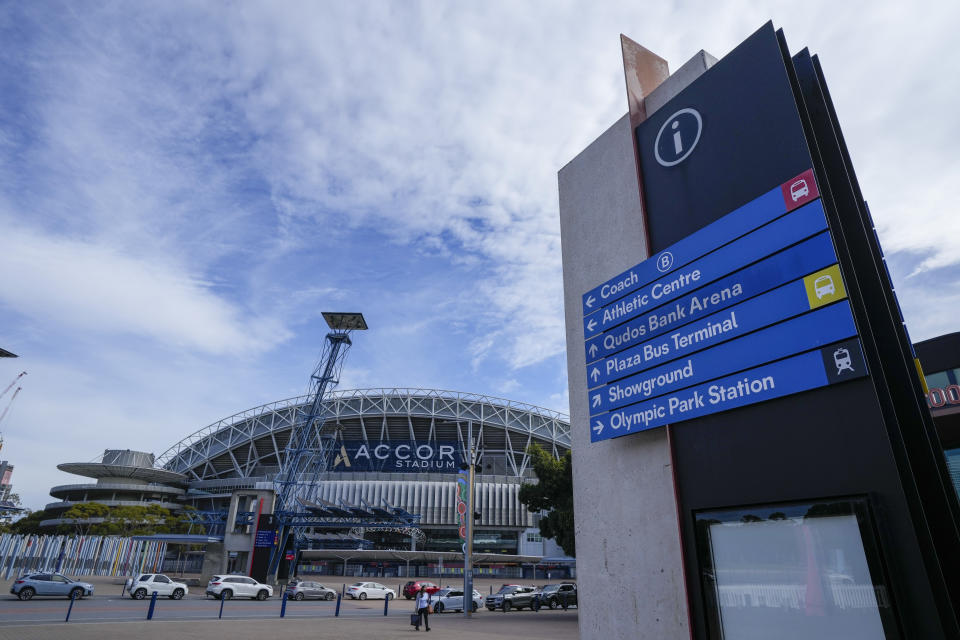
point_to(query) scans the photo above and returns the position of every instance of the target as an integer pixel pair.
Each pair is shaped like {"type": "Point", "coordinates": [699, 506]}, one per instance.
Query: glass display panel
{"type": "Point", "coordinates": [794, 572]}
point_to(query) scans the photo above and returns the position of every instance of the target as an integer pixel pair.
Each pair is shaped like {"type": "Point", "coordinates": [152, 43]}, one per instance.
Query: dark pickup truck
{"type": "Point", "coordinates": [559, 595]}
{"type": "Point", "coordinates": [513, 596]}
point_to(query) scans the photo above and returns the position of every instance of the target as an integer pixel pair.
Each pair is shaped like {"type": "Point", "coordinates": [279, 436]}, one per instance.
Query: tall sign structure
{"type": "Point", "coordinates": [734, 317]}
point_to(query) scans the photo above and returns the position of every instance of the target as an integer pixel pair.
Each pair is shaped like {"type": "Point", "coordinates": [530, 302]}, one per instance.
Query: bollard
{"type": "Point", "coordinates": [386, 601]}
{"type": "Point", "coordinates": [73, 599]}
{"type": "Point", "coordinates": [222, 600]}
{"type": "Point", "coordinates": [337, 612]}
{"type": "Point", "coordinates": [491, 589]}
{"type": "Point", "coordinates": [283, 605]}
{"type": "Point", "coordinates": [153, 604]}
{"type": "Point", "coordinates": [343, 589]}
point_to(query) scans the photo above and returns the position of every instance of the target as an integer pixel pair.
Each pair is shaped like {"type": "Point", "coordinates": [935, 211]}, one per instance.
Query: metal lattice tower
{"type": "Point", "coordinates": [305, 457]}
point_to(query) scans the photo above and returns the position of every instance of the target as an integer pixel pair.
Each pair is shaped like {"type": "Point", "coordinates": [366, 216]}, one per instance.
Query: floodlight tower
{"type": "Point", "coordinates": [305, 456]}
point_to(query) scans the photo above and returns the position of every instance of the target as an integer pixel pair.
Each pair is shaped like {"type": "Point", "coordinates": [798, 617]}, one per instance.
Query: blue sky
{"type": "Point", "coordinates": [185, 186]}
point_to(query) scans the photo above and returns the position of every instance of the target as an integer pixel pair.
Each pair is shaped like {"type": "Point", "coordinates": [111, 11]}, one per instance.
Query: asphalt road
{"type": "Point", "coordinates": [111, 608]}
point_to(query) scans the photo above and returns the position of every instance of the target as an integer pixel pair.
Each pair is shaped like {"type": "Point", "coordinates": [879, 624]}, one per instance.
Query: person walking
{"type": "Point", "coordinates": [423, 608]}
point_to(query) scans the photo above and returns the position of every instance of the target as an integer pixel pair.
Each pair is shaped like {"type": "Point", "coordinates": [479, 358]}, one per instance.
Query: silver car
{"type": "Point", "coordinates": [304, 590]}
{"type": "Point", "coordinates": [49, 584]}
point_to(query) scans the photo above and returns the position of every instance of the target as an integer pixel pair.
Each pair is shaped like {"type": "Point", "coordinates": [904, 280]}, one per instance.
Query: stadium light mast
{"type": "Point", "coordinates": [305, 456]}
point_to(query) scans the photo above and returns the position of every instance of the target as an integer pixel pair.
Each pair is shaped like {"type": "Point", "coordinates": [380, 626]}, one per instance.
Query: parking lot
{"type": "Point", "coordinates": [107, 614]}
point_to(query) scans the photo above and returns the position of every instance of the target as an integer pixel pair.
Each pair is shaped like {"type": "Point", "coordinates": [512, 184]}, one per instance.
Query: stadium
{"type": "Point", "coordinates": [399, 448]}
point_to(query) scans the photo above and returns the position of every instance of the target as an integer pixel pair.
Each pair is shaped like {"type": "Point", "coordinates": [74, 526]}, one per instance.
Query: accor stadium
{"type": "Point", "coordinates": [396, 447]}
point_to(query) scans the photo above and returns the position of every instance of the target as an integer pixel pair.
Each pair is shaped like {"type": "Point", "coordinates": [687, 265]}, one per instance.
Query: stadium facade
{"type": "Point", "coordinates": [394, 447]}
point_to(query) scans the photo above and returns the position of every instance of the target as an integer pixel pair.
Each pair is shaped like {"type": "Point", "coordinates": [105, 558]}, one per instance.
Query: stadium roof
{"type": "Point", "coordinates": [6, 354]}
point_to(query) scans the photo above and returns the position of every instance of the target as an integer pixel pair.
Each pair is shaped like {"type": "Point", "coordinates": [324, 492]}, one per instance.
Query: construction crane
{"type": "Point", "coordinates": [5, 410]}
{"type": "Point", "coordinates": [305, 456]}
{"type": "Point", "coordinates": [9, 386]}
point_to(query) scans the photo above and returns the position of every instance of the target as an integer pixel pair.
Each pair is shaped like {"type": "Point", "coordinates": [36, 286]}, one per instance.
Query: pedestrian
{"type": "Point", "coordinates": [423, 609]}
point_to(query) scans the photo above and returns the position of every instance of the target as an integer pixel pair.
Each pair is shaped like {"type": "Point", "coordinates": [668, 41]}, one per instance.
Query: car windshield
{"type": "Point", "coordinates": [443, 593]}
{"type": "Point", "coordinates": [507, 589]}
{"type": "Point", "coordinates": [551, 587]}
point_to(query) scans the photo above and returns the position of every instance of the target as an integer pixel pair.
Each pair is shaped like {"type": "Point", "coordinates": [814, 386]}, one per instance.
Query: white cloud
{"type": "Point", "coordinates": [92, 288]}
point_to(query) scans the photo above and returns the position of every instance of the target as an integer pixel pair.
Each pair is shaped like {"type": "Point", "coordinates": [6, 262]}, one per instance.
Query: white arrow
{"type": "Point", "coordinates": [598, 427]}
{"type": "Point", "coordinates": [593, 350]}
{"type": "Point", "coordinates": [595, 373]}
{"type": "Point", "coordinates": [590, 302]}
{"type": "Point", "coordinates": [596, 400]}
{"type": "Point", "coordinates": [591, 324]}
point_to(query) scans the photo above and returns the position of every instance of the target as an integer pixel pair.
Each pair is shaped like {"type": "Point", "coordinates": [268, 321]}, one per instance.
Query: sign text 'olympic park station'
{"type": "Point", "coordinates": [749, 308]}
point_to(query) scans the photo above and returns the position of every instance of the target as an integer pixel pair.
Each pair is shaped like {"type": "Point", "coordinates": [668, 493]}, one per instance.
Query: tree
{"type": "Point", "coordinates": [82, 515]}
{"type": "Point", "coordinates": [553, 494]}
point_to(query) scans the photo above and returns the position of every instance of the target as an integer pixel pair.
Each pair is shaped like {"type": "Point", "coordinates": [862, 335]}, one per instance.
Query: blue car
{"type": "Point", "coordinates": [49, 584]}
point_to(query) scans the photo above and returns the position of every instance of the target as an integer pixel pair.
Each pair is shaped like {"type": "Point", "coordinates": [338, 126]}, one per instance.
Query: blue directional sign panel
{"type": "Point", "coordinates": [743, 220]}
{"type": "Point", "coordinates": [747, 293]}
{"type": "Point", "coordinates": [803, 372]}
{"type": "Point", "coordinates": [754, 246]}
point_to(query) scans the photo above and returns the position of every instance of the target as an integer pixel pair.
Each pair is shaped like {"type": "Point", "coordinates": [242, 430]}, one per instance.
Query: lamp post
{"type": "Point", "coordinates": [468, 549]}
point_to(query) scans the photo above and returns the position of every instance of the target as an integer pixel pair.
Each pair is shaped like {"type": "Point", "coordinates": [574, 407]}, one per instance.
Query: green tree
{"type": "Point", "coordinates": [553, 494]}
{"type": "Point", "coordinates": [30, 523]}
{"type": "Point", "coordinates": [81, 515]}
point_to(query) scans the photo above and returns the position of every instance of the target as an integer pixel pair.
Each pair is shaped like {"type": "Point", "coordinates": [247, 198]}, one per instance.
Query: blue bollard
{"type": "Point", "coordinates": [153, 603]}
{"type": "Point", "coordinates": [222, 600]}
{"type": "Point", "coordinates": [70, 608]}
{"type": "Point", "coordinates": [386, 601]}
{"type": "Point", "coordinates": [337, 612]}
{"type": "Point", "coordinates": [283, 605]}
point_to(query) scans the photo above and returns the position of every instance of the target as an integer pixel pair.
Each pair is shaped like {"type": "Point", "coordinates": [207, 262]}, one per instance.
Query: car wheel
{"type": "Point", "coordinates": [262, 594]}
{"type": "Point", "coordinates": [389, 596]}
{"type": "Point", "coordinates": [139, 594]}
{"type": "Point", "coordinates": [26, 593]}
{"type": "Point", "coordinates": [76, 593]}
{"type": "Point", "coordinates": [553, 604]}
{"type": "Point", "coordinates": [474, 607]}
{"type": "Point", "coordinates": [329, 596]}
{"type": "Point", "coordinates": [363, 595]}
{"type": "Point", "coordinates": [506, 606]}
{"type": "Point", "coordinates": [177, 594]}
{"type": "Point", "coordinates": [491, 608]}
{"type": "Point", "coordinates": [438, 608]}
{"type": "Point", "coordinates": [299, 596]}
{"type": "Point", "coordinates": [226, 594]}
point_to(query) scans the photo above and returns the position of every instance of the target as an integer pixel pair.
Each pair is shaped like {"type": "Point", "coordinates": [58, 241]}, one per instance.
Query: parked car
{"type": "Point", "coordinates": [304, 589]}
{"type": "Point", "coordinates": [559, 595]}
{"type": "Point", "coordinates": [364, 590]}
{"type": "Point", "coordinates": [149, 583]}
{"type": "Point", "coordinates": [412, 588]}
{"type": "Point", "coordinates": [452, 600]}
{"type": "Point", "coordinates": [513, 596]}
{"type": "Point", "coordinates": [49, 584]}
{"type": "Point", "coordinates": [238, 586]}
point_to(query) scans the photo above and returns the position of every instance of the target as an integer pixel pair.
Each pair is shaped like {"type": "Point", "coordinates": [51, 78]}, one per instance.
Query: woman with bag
{"type": "Point", "coordinates": [424, 609]}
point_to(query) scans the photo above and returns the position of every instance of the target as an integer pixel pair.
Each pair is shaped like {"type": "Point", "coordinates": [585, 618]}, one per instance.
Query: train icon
{"type": "Point", "coordinates": [841, 358]}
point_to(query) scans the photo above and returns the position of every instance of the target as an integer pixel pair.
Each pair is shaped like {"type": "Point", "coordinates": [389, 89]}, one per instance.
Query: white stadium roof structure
{"type": "Point", "coordinates": [250, 444]}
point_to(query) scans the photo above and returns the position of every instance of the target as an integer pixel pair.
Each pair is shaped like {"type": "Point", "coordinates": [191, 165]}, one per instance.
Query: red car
{"type": "Point", "coordinates": [412, 587]}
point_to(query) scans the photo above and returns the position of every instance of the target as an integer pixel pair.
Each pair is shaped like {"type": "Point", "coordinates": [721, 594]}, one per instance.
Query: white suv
{"type": "Point", "coordinates": [239, 586]}
{"type": "Point", "coordinates": [148, 583]}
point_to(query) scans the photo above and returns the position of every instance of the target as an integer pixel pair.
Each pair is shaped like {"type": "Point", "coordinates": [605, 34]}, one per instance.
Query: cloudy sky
{"type": "Point", "coordinates": [185, 186]}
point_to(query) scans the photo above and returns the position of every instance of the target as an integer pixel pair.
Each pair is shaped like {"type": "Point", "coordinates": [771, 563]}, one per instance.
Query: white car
{"type": "Point", "coordinates": [364, 590]}
{"type": "Point", "coordinates": [149, 583]}
{"type": "Point", "coordinates": [227, 587]}
{"type": "Point", "coordinates": [452, 600]}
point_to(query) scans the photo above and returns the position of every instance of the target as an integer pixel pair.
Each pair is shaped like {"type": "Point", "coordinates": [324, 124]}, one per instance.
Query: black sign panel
{"type": "Point", "coordinates": [702, 157]}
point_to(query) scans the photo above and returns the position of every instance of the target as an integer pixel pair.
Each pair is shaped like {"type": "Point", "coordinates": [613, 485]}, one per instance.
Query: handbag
{"type": "Point", "coordinates": [414, 619]}
{"type": "Point", "coordinates": [429, 608]}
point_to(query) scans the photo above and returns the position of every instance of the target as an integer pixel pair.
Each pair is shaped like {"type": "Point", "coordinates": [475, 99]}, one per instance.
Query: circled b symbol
{"type": "Point", "coordinates": [664, 262]}
{"type": "Point", "coordinates": [678, 136]}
